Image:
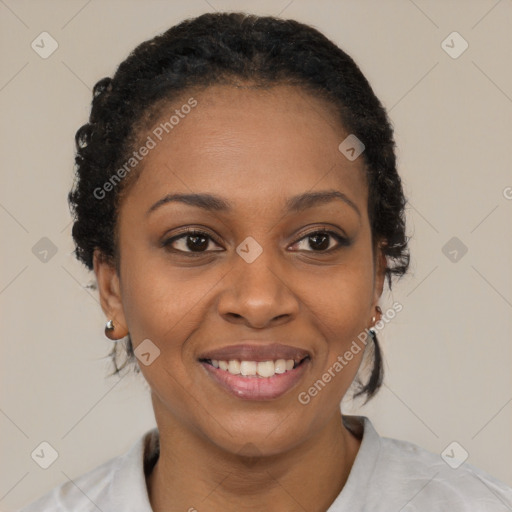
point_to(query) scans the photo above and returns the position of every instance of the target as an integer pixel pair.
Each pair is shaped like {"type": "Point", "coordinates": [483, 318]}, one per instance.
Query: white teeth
{"type": "Point", "coordinates": [234, 367]}
{"type": "Point", "coordinates": [267, 368]}
{"type": "Point", "coordinates": [280, 366]}
{"type": "Point", "coordinates": [252, 368]}
{"type": "Point", "coordinates": [248, 367]}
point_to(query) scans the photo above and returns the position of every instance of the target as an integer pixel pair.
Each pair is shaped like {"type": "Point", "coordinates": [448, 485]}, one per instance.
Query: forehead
{"type": "Point", "coordinates": [251, 145]}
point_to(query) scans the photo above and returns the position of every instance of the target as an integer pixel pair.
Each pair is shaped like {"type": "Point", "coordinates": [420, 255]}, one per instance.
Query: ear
{"type": "Point", "coordinates": [110, 294]}
{"type": "Point", "coordinates": [379, 276]}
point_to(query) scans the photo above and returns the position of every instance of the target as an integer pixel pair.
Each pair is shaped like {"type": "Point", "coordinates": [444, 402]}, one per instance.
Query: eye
{"type": "Point", "coordinates": [320, 240]}
{"type": "Point", "coordinates": [196, 241]}
{"type": "Point", "coordinates": [191, 241]}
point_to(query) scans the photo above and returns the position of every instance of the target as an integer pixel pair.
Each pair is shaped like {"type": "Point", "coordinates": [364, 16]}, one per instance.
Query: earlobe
{"type": "Point", "coordinates": [110, 294]}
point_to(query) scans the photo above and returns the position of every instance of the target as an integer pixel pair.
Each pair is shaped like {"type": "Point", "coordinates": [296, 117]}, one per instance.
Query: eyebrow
{"type": "Point", "coordinates": [294, 204]}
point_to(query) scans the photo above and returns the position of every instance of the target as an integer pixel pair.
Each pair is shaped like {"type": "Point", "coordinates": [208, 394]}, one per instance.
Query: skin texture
{"type": "Point", "coordinates": [255, 148]}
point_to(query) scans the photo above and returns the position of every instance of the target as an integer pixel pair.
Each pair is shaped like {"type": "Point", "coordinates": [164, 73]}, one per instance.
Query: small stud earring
{"type": "Point", "coordinates": [379, 310]}
{"type": "Point", "coordinates": [109, 331]}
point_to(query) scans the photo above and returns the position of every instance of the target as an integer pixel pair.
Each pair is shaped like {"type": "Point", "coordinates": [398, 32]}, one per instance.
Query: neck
{"type": "Point", "coordinates": [193, 475]}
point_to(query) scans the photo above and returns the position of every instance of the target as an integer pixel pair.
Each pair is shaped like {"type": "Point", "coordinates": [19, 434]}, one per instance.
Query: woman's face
{"type": "Point", "coordinates": [253, 276]}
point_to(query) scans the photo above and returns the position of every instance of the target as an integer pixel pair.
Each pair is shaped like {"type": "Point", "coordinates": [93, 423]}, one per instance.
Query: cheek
{"type": "Point", "coordinates": [164, 307]}
{"type": "Point", "coordinates": [341, 310]}
{"type": "Point", "coordinates": [165, 304]}
{"type": "Point", "coordinates": [158, 303]}
{"type": "Point", "coordinates": [343, 296]}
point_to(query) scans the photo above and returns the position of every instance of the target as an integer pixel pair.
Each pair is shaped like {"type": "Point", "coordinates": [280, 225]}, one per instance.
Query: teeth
{"type": "Point", "coordinates": [267, 369]}
{"type": "Point", "coordinates": [280, 366]}
{"type": "Point", "coordinates": [248, 367]}
{"type": "Point", "coordinates": [252, 368]}
{"type": "Point", "coordinates": [234, 367]}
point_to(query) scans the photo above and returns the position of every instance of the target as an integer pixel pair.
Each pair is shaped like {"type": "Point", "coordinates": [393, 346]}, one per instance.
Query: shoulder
{"type": "Point", "coordinates": [113, 485]}
{"type": "Point", "coordinates": [78, 494]}
{"type": "Point", "coordinates": [392, 474]}
{"type": "Point", "coordinates": [424, 478]}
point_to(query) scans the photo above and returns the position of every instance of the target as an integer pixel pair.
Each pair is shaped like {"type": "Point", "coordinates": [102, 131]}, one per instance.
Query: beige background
{"type": "Point", "coordinates": [448, 354]}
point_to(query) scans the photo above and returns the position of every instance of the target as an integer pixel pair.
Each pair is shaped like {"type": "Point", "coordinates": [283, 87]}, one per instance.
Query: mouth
{"type": "Point", "coordinates": [256, 351]}
{"type": "Point", "coordinates": [255, 369]}
{"type": "Point", "coordinates": [255, 372]}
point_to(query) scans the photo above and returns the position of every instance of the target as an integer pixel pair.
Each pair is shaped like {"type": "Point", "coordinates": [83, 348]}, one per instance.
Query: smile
{"type": "Point", "coordinates": [256, 380]}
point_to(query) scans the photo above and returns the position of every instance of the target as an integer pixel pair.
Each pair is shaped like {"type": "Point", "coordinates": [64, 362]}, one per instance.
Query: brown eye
{"type": "Point", "coordinates": [320, 241]}
{"type": "Point", "coordinates": [190, 241]}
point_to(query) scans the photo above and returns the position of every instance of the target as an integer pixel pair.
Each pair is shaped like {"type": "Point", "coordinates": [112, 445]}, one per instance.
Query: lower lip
{"type": "Point", "coordinates": [257, 388]}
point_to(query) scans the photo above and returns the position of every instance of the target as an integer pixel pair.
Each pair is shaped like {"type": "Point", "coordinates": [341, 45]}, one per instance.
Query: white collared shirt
{"type": "Point", "coordinates": [388, 475]}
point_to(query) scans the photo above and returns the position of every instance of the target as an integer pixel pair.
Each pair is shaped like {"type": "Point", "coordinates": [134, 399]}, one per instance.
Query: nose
{"type": "Point", "coordinates": [258, 294]}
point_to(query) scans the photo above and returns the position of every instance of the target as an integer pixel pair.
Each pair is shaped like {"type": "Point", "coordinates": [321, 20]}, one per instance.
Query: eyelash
{"type": "Point", "coordinates": [342, 241]}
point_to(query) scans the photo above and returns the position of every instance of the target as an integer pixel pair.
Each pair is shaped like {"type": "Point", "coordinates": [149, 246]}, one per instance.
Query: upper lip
{"type": "Point", "coordinates": [256, 352]}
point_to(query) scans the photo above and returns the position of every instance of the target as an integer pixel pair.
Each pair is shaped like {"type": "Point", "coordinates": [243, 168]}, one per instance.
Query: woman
{"type": "Point", "coordinates": [237, 197]}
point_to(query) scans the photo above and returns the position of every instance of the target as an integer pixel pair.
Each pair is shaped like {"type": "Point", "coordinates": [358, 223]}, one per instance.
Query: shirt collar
{"type": "Point", "coordinates": [360, 476]}
{"type": "Point", "coordinates": [129, 478]}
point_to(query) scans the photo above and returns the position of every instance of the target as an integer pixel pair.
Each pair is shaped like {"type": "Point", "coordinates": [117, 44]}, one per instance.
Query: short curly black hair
{"type": "Point", "coordinates": [223, 48]}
